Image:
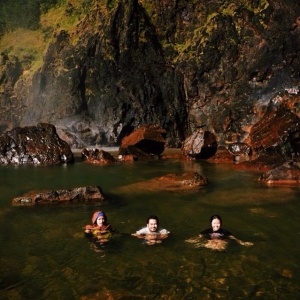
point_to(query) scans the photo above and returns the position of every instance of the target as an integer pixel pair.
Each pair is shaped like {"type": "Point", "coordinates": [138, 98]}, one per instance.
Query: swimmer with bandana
{"type": "Point", "coordinates": [100, 228]}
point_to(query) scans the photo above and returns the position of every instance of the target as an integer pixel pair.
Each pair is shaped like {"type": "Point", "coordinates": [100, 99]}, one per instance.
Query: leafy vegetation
{"type": "Point", "coordinates": [27, 26]}
{"type": "Point", "coordinates": [23, 14]}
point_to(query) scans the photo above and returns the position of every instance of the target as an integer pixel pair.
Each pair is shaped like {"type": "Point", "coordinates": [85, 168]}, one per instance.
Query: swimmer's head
{"type": "Point", "coordinates": [216, 222]}
{"type": "Point", "coordinates": [152, 223]}
{"type": "Point", "coordinates": [99, 215]}
{"type": "Point", "coordinates": [215, 217]}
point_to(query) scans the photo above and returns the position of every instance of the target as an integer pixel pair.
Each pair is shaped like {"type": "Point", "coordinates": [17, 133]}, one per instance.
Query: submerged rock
{"type": "Point", "coordinates": [34, 145]}
{"type": "Point", "coordinates": [286, 174]}
{"type": "Point", "coordinates": [190, 181]}
{"type": "Point", "coordinates": [75, 195]}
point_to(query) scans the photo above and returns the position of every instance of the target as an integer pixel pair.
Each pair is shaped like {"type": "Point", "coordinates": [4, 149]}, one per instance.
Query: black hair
{"type": "Point", "coordinates": [154, 217]}
{"type": "Point", "coordinates": [215, 217]}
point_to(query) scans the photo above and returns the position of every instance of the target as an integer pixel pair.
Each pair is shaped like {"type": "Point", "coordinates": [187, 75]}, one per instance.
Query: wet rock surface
{"type": "Point", "coordinates": [277, 132]}
{"type": "Point", "coordinates": [75, 195]}
{"type": "Point", "coordinates": [190, 181]}
{"type": "Point", "coordinates": [237, 149]}
{"type": "Point", "coordinates": [144, 142]}
{"type": "Point", "coordinates": [97, 156]}
{"type": "Point", "coordinates": [200, 145]}
{"type": "Point", "coordinates": [34, 145]}
{"type": "Point", "coordinates": [286, 174]}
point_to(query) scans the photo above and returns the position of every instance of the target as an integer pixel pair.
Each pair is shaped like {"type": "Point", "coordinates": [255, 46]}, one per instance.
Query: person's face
{"type": "Point", "coordinates": [152, 225]}
{"type": "Point", "coordinates": [215, 224]}
{"type": "Point", "coordinates": [100, 221]}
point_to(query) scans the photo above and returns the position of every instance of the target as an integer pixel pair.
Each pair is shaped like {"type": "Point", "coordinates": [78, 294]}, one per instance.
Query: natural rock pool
{"type": "Point", "coordinates": [45, 255]}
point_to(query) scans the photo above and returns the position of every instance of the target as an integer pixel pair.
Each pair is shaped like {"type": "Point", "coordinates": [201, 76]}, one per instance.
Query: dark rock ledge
{"type": "Point", "coordinates": [34, 145]}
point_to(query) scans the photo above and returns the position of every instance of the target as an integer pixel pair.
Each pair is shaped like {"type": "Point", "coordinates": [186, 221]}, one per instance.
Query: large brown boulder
{"type": "Point", "coordinates": [75, 195]}
{"type": "Point", "coordinates": [144, 142]}
{"type": "Point", "coordinates": [200, 145]}
{"type": "Point", "coordinates": [34, 145]}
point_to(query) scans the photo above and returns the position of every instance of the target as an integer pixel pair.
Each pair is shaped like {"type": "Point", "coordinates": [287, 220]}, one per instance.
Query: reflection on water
{"type": "Point", "coordinates": [214, 244]}
{"type": "Point", "coordinates": [45, 254]}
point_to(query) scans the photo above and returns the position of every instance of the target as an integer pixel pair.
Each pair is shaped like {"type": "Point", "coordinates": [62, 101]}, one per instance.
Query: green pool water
{"type": "Point", "coordinates": [44, 253]}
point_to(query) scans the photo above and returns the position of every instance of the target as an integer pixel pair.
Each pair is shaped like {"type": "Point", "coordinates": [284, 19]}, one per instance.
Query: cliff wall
{"type": "Point", "coordinates": [174, 63]}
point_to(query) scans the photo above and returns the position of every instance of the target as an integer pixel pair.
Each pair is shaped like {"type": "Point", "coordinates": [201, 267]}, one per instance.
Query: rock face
{"type": "Point", "coordinates": [81, 194]}
{"type": "Point", "coordinates": [178, 64]}
{"type": "Point", "coordinates": [144, 142]}
{"type": "Point", "coordinates": [240, 151]}
{"type": "Point", "coordinates": [34, 145]}
{"type": "Point", "coordinates": [277, 132]}
{"type": "Point", "coordinates": [237, 149]}
{"type": "Point", "coordinates": [201, 144]}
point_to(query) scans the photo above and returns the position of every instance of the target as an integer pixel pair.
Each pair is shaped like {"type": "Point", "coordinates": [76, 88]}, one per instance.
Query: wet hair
{"type": "Point", "coordinates": [98, 214]}
{"type": "Point", "coordinates": [216, 217]}
{"type": "Point", "coordinates": [152, 217]}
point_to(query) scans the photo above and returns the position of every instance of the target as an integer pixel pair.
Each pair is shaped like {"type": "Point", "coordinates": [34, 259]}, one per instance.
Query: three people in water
{"type": "Point", "coordinates": [216, 237]}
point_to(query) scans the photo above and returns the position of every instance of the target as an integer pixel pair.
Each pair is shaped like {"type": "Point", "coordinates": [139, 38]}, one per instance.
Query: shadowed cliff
{"type": "Point", "coordinates": [176, 64]}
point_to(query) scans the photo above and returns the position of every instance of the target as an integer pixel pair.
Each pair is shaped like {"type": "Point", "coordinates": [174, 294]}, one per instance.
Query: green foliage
{"type": "Point", "coordinates": [23, 13]}
{"type": "Point", "coordinates": [110, 4]}
{"type": "Point", "coordinates": [27, 26]}
{"type": "Point", "coordinates": [45, 5]}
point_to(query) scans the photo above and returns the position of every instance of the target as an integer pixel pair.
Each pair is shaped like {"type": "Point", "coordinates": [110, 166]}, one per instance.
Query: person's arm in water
{"type": "Point", "coordinates": [141, 233]}
{"type": "Point", "coordinates": [104, 228]}
{"type": "Point", "coordinates": [247, 244]}
{"type": "Point", "coordinates": [163, 234]}
{"type": "Point", "coordinates": [90, 228]}
{"type": "Point", "coordinates": [139, 236]}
